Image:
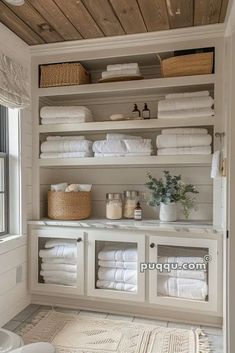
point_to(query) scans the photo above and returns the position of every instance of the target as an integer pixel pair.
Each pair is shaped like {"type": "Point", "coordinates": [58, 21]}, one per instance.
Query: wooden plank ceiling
{"type": "Point", "coordinates": [49, 21]}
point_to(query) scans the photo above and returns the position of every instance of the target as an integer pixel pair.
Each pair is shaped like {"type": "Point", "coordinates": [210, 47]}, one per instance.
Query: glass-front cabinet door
{"type": "Point", "coordinates": [184, 272]}
{"type": "Point", "coordinates": [114, 260]}
{"type": "Point", "coordinates": [57, 260]}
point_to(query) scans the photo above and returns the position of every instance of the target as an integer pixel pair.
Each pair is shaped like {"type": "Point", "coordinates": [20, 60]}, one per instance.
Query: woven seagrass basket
{"type": "Point", "coordinates": [64, 74]}
{"type": "Point", "coordinates": [69, 205]}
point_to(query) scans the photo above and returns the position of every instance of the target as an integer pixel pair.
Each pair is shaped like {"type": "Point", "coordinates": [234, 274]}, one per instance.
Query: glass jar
{"type": "Point", "coordinates": [113, 206]}
{"type": "Point", "coordinates": [131, 197]}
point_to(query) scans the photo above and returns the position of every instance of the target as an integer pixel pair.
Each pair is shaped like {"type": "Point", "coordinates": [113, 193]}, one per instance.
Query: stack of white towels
{"type": "Point", "coordinates": [180, 141]}
{"type": "Point", "coordinates": [186, 105]}
{"type": "Point", "coordinates": [66, 147]}
{"type": "Point", "coordinates": [117, 269]}
{"type": "Point", "coordinates": [65, 115]}
{"type": "Point", "coordinates": [59, 262]}
{"type": "Point", "coordinates": [121, 145]}
{"type": "Point", "coordinates": [187, 284]}
{"type": "Point", "coordinates": [120, 70]}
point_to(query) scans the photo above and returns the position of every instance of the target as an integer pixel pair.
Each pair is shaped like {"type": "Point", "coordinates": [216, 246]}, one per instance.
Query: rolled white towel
{"type": "Point", "coordinates": [111, 146]}
{"type": "Point", "coordinates": [58, 267]}
{"type": "Point", "coordinates": [185, 103]}
{"type": "Point", "coordinates": [67, 146]}
{"type": "Point", "coordinates": [120, 286]}
{"type": "Point", "coordinates": [131, 265]}
{"type": "Point", "coordinates": [110, 253]}
{"type": "Point", "coordinates": [187, 95]}
{"type": "Point", "coordinates": [77, 120]}
{"type": "Point", "coordinates": [117, 275]}
{"type": "Point", "coordinates": [175, 151]}
{"type": "Point", "coordinates": [63, 111]}
{"type": "Point", "coordinates": [67, 138]}
{"type": "Point", "coordinates": [48, 155]}
{"type": "Point", "coordinates": [186, 113]}
{"type": "Point", "coordinates": [60, 251]}
{"type": "Point", "coordinates": [194, 140]}
{"type": "Point", "coordinates": [113, 136]}
{"type": "Point", "coordinates": [184, 131]}
{"type": "Point", "coordinates": [184, 288]}
{"type": "Point", "coordinates": [122, 66]}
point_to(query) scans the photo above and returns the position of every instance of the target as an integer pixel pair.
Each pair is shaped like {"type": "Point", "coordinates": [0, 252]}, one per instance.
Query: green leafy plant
{"type": "Point", "coordinates": [170, 189]}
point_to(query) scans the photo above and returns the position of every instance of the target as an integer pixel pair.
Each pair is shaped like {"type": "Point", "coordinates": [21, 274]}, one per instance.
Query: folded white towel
{"type": "Point", "coordinates": [58, 281]}
{"type": "Point", "coordinates": [138, 154]}
{"type": "Point", "coordinates": [111, 146]}
{"type": "Point", "coordinates": [187, 94]}
{"type": "Point", "coordinates": [59, 187]}
{"type": "Point", "coordinates": [57, 242]}
{"type": "Point", "coordinates": [182, 288]}
{"type": "Point", "coordinates": [122, 66]}
{"type": "Point", "coordinates": [59, 251]}
{"type": "Point", "coordinates": [117, 73]}
{"type": "Point", "coordinates": [63, 111]}
{"type": "Point", "coordinates": [194, 140]}
{"type": "Point", "coordinates": [67, 146]}
{"type": "Point", "coordinates": [121, 137]}
{"type": "Point", "coordinates": [186, 113]}
{"type": "Point", "coordinates": [48, 155]}
{"type": "Point", "coordinates": [63, 275]}
{"type": "Point", "coordinates": [118, 264]}
{"type": "Point", "coordinates": [185, 103]}
{"type": "Point", "coordinates": [135, 145]}
{"type": "Point", "coordinates": [67, 138]}
{"type": "Point", "coordinates": [117, 275]}
{"type": "Point", "coordinates": [120, 286]}
{"type": "Point", "coordinates": [174, 151]}
{"type": "Point", "coordinates": [59, 260]}
{"type": "Point", "coordinates": [117, 254]}
{"type": "Point", "coordinates": [184, 131]}
{"type": "Point", "coordinates": [78, 120]}
{"type": "Point", "coordinates": [58, 267]}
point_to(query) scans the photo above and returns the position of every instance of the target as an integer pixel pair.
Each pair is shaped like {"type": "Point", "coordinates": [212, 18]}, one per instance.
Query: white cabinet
{"type": "Point", "coordinates": [38, 239]}
{"type": "Point", "coordinates": [100, 277]}
{"type": "Point", "coordinates": [185, 273]}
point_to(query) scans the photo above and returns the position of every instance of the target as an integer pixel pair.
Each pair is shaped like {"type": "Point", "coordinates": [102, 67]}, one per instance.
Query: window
{"type": "Point", "coordinates": [4, 172]}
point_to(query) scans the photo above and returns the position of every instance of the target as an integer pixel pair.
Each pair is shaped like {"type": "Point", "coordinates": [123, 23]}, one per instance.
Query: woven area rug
{"type": "Point", "coordinates": [74, 334]}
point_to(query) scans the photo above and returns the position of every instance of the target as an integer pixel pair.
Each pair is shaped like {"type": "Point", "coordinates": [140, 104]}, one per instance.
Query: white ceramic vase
{"type": "Point", "coordinates": [168, 213]}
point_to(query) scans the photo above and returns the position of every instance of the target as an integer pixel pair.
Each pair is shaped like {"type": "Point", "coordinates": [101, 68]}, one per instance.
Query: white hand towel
{"type": "Point", "coordinates": [120, 286]}
{"type": "Point", "coordinates": [58, 267]}
{"type": "Point", "coordinates": [187, 94]}
{"type": "Point", "coordinates": [57, 242]}
{"type": "Point", "coordinates": [176, 151]}
{"type": "Point", "coordinates": [63, 111]}
{"type": "Point", "coordinates": [185, 103]}
{"type": "Point", "coordinates": [195, 140]}
{"type": "Point", "coordinates": [110, 253]}
{"type": "Point", "coordinates": [135, 145]}
{"type": "Point", "coordinates": [59, 251]}
{"type": "Point", "coordinates": [186, 113]}
{"type": "Point", "coordinates": [59, 260]}
{"type": "Point", "coordinates": [184, 131]}
{"type": "Point", "coordinates": [121, 137]}
{"type": "Point", "coordinates": [59, 187]}
{"type": "Point", "coordinates": [58, 281]}
{"type": "Point", "coordinates": [118, 264]}
{"type": "Point", "coordinates": [122, 66]}
{"type": "Point", "coordinates": [48, 155]}
{"type": "Point", "coordinates": [122, 72]}
{"type": "Point", "coordinates": [63, 275]}
{"type": "Point", "coordinates": [67, 146]}
{"type": "Point", "coordinates": [49, 121]}
{"type": "Point", "coordinates": [215, 166]}
{"type": "Point", "coordinates": [111, 146]}
{"type": "Point", "coordinates": [67, 138]}
{"type": "Point", "coordinates": [117, 275]}
{"type": "Point", "coordinates": [182, 288]}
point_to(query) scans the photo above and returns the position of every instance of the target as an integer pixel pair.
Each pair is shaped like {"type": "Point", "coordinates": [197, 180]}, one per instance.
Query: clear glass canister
{"type": "Point", "coordinates": [131, 197]}
{"type": "Point", "coordinates": [114, 206]}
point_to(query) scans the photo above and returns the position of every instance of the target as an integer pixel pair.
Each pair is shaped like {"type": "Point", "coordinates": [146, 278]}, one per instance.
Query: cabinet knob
{"type": "Point", "coordinates": [79, 240]}
{"type": "Point", "coordinates": [152, 245]}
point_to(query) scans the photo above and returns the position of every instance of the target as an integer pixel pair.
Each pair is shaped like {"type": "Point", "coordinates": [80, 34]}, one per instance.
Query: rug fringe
{"type": "Point", "coordinates": [203, 345]}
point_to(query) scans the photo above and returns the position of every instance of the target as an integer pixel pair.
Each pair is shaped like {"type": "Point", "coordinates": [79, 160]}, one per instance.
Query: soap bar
{"type": "Point", "coordinates": [117, 117]}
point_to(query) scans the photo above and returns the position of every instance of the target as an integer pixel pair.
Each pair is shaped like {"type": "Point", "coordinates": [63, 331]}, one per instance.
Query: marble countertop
{"type": "Point", "coordinates": [150, 225]}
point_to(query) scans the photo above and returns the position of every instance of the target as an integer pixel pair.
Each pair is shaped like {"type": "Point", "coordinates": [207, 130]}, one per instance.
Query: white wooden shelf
{"type": "Point", "coordinates": [133, 125]}
{"type": "Point", "coordinates": [188, 160]}
{"type": "Point", "coordinates": [155, 85]}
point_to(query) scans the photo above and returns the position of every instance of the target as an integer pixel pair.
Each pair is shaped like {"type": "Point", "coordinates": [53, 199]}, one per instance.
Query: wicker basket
{"type": "Point", "coordinates": [69, 205]}
{"type": "Point", "coordinates": [65, 74]}
{"type": "Point", "coordinates": [187, 65]}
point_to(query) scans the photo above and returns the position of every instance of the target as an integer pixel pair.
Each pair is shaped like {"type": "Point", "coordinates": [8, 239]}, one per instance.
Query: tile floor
{"type": "Point", "coordinates": [27, 315]}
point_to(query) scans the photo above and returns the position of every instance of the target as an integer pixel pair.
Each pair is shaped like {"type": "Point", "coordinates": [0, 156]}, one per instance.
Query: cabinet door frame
{"type": "Point", "coordinates": [115, 236]}
{"type": "Point", "coordinates": [58, 233]}
{"type": "Point", "coordinates": [214, 270]}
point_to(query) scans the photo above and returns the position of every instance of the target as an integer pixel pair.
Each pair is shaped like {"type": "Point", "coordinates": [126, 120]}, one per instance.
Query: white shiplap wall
{"type": "Point", "coordinates": [13, 252]}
